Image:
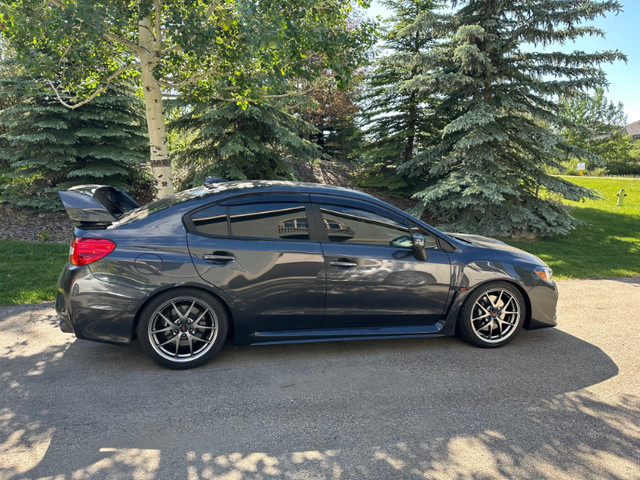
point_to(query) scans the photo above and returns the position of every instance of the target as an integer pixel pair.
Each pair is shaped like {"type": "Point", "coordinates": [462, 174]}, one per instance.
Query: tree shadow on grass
{"type": "Point", "coordinates": [421, 408]}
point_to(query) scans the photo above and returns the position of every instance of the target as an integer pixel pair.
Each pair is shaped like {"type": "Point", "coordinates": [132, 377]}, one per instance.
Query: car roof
{"type": "Point", "coordinates": [255, 186]}
{"type": "Point", "coordinates": [186, 200]}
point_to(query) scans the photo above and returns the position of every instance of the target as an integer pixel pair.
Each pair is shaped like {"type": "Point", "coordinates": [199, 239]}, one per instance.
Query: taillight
{"type": "Point", "coordinates": [84, 251]}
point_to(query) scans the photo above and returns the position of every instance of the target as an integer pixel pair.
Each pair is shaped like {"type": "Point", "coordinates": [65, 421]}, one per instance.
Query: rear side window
{"type": "Point", "coordinates": [211, 221]}
{"type": "Point", "coordinates": [287, 221]}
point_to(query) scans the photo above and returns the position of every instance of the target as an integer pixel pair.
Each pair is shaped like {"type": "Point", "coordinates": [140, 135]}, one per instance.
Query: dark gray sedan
{"type": "Point", "coordinates": [280, 262]}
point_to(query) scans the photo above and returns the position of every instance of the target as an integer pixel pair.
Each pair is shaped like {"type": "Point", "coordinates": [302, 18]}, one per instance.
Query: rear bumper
{"type": "Point", "coordinates": [65, 326]}
{"type": "Point", "coordinates": [96, 310]}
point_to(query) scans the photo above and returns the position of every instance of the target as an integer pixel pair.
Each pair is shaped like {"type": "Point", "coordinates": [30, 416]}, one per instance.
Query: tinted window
{"type": "Point", "coordinates": [270, 220]}
{"type": "Point", "coordinates": [211, 220]}
{"type": "Point", "coordinates": [352, 225]}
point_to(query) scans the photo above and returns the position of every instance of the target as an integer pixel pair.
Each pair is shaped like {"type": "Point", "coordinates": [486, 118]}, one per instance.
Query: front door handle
{"type": "Point", "coordinates": [220, 257]}
{"type": "Point", "coordinates": [343, 262]}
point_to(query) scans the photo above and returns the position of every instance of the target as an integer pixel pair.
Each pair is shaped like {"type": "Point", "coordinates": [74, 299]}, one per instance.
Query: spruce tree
{"type": "Point", "coordinates": [495, 68]}
{"type": "Point", "coordinates": [224, 140]}
{"type": "Point", "coordinates": [48, 147]}
{"type": "Point", "coordinates": [398, 111]}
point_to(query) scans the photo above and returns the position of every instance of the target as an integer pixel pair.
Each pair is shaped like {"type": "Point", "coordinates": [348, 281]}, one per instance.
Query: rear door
{"type": "Point", "coordinates": [373, 277]}
{"type": "Point", "coordinates": [259, 251]}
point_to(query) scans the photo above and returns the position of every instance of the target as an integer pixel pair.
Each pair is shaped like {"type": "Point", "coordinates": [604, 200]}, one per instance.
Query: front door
{"type": "Point", "coordinates": [373, 277]}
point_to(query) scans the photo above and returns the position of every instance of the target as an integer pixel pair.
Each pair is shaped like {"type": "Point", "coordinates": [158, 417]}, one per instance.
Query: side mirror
{"type": "Point", "coordinates": [417, 245]}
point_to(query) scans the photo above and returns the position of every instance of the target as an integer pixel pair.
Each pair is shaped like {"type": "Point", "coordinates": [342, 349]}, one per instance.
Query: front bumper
{"type": "Point", "coordinates": [93, 309]}
{"type": "Point", "coordinates": [543, 301]}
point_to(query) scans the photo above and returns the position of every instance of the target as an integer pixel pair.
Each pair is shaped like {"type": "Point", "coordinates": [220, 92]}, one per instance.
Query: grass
{"type": "Point", "coordinates": [29, 271]}
{"type": "Point", "coordinates": [607, 246]}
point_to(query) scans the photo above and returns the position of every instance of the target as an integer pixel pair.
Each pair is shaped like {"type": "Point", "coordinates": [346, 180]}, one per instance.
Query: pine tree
{"type": "Point", "coordinates": [398, 111]}
{"type": "Point", "coordinates": [500, 89]}
{"type": "Point", "coordinates": [222, 139]}
{"type": "Point", "coordinates": [49, 147]}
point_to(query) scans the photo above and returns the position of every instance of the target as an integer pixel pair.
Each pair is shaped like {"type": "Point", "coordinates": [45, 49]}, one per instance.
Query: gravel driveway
{"type": "Point", "coordinates": [559, 403]}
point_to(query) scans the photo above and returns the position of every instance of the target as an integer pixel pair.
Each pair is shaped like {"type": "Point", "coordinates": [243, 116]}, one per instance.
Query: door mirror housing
{"type": "Point", "coordinates": [417, 244]}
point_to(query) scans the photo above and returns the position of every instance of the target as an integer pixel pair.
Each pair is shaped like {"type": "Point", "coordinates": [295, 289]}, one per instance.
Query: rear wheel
{"type": "Point", "coordinates": [492, 315]}
{"type": "Point", "coordinates": [182, 328]}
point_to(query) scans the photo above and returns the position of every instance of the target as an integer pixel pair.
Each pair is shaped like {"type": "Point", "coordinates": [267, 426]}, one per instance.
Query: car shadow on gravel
{"type": "Point", "coordinates": [373, 409]}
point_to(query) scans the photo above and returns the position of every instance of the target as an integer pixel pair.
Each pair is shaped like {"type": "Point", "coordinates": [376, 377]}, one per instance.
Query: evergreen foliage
{"type": "Point", "coordinates": [398, 112]}
{"type": "Point", "coordinates": [48, 147]}
{"type": "Point", "coordinates": [231, 50]}
{"type": "Point", "coordinates": [484, 174]}
{"type": "Point", "coordinates": [224, 140]}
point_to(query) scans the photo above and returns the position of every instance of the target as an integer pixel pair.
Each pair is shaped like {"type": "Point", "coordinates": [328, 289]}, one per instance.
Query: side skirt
{"type": "Point", "coordinates": [344, 334]}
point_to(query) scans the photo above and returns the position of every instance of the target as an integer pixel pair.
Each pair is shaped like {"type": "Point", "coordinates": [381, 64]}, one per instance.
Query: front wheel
{"type": "Point", "coordinates": [492, 316]}
{"type": "Point", "coordinates": [182, 328]}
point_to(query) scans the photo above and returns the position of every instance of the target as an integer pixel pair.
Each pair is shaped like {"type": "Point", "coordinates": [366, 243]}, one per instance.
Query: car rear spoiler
{"type": "Point", "coordinates": [96, 205]}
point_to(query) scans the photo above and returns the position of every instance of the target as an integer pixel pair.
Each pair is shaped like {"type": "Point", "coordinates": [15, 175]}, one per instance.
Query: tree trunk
{"type": "Point", "coordinates": [411, 129]}
{"type": "Point", "coordinates": [160, 161]}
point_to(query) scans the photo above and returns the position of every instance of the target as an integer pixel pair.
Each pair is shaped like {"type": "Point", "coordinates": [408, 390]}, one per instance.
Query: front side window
{"type": "Point", "coordinates": [278, 220]}
{"type": "Point", "coordinates": [353, 225]}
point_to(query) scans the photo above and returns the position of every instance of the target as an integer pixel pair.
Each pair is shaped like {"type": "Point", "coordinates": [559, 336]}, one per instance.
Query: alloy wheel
{"type": "Point", "coordinates": [183, 329]}
{"type": "Point", "coordinates": [495, 316]}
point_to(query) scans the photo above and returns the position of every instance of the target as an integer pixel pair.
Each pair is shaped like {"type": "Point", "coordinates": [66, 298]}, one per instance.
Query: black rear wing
{"type": "Point", "coordinates": [96, 206]}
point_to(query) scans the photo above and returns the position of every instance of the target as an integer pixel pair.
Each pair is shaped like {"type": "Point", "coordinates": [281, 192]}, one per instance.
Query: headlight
{"type": "Point", "coordinates": [545, 273]}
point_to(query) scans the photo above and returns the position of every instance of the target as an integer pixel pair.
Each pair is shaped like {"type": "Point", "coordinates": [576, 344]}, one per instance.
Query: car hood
{"type": "Point", "coordinates": [492, 243]}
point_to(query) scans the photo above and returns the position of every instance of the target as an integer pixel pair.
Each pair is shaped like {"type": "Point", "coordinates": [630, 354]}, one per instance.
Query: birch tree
{"type": "Point", "coordinates": [228, 50]}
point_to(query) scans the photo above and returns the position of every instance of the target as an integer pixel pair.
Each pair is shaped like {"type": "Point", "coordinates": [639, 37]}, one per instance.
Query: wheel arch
{"type": "Point", "coordinates": [202, 288]}
{"type": "Point", "coordinates": [511, 281]}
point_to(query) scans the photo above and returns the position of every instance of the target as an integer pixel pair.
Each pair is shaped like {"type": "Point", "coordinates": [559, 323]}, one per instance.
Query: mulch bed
{"type": "Point", "coordinates": [27, 226]}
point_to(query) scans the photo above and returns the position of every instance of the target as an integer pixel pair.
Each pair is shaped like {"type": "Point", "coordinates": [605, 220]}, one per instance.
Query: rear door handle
{"type": "Point", "coordinates": [343, 262]}
{"type": "Point", "coordinates": [221, 257]}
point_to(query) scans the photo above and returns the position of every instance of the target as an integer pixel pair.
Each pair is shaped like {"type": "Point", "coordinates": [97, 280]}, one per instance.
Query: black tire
{"type": "Point", "coordinates": [492, 315]}
{"type": "Point", "coordinates": [182, 328]}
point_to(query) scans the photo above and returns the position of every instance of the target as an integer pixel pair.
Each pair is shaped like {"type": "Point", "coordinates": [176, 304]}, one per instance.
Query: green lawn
{"type": "Point", "coordinates": [608, 246]}
{"type": "Point", "coordinates": [29, 271]}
